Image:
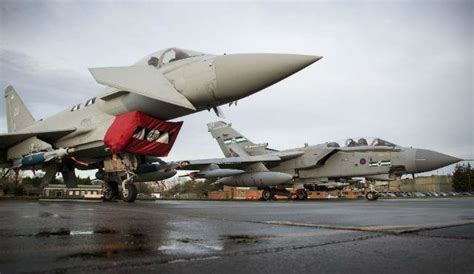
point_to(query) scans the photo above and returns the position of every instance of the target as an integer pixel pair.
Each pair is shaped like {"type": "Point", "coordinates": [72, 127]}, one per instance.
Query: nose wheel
{"type": "Point", "coordinates": [129, 193]}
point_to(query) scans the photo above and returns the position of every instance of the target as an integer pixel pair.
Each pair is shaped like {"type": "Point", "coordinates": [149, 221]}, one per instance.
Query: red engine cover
{"type": "Point", "coordinates": [138, 133]}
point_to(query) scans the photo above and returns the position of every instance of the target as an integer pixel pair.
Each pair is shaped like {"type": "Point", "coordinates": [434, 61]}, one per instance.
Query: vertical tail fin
{"type": "Point", "coordinates": [18, 116]}
{"type": "Point", "coordinates": [232, 143]}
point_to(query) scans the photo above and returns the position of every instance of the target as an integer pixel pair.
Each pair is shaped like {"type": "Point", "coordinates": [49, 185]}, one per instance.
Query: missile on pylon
{"type": "Point", "coordinates": [38, 158]}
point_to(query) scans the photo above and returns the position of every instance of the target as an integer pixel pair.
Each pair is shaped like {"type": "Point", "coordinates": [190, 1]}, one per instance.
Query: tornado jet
{"type": "Point", "coordinates": [248, 164]}
{"type": "Point", "coordinates": [124, 129]}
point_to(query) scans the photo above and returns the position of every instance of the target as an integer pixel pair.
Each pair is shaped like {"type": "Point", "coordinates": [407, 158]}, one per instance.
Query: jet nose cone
{"type": "Point", "coordinates": [427, 160]}
{"type": "Point", "coordinates": [240, 75]}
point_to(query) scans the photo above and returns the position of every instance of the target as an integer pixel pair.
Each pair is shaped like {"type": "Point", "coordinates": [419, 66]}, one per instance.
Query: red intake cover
{"type": "Point", "coordinates": [138, 133]}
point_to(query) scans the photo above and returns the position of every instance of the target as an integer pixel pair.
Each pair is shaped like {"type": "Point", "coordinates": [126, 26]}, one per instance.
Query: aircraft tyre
{"type": "Point", "coordinates": [301, 194]}
{"type": "Point", "coordinates": [129, 194]}
{"type": "Point", "coordinates": [110, 191]}
{"type": "Point", "coordinates": [371, 196]}
{"type": "Point", "coordinates": [267, 194]}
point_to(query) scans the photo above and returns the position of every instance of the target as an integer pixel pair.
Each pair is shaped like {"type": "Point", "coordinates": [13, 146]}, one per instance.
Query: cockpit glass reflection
{"type": "Point", "coordinates": [175, 54]}
{"type": "Point", "coordinates": [166, 56]}
{"type": "Point", "coordinates": [350, 142]}
{"type": "Point", "coordinates": [380, 142]}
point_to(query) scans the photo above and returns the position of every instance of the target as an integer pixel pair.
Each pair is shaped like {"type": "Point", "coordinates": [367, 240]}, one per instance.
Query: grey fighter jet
{"type": "Point", "coordinates": [123, 129]}
{"type": "Point", "coordinates": [255, 165]}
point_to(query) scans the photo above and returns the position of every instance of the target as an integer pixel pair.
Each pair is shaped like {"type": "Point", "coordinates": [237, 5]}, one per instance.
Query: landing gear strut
{"type": "Point", "coordinates": [118, 172]}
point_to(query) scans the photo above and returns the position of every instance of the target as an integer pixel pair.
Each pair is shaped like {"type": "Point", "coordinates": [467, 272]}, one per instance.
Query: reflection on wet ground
{"type": "Point", "coordinates": [57, 237]}
{"type": "Point", "coordinates": [240, 239]}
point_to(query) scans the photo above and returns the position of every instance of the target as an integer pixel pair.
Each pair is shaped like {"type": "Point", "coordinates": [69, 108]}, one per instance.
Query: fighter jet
{"type": "Point", "coordinates": [255, 165]}
{"type": "Point", "coordinates": [123, 129]}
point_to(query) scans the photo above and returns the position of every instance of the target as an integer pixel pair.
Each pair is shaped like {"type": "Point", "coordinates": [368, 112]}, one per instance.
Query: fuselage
{"type": "Point", "coordinates": [312, 166]}
{"type": "Point", "coordinates": [322, 163]}
{"type": "Point", "coordinates": [207, 81]}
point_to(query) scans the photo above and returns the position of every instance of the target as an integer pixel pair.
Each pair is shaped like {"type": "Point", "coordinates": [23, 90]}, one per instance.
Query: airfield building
{"type": "Point", "coordinates": [419, 184]}
{"type": "Point", "coordinates": [59, 191]}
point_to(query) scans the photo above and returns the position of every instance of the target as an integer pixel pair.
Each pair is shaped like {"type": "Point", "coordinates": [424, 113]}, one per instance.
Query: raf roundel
{"type": "Point", "coordinates": [362, 161]}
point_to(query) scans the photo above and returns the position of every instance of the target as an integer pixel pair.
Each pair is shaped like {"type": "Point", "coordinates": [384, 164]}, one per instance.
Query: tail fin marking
{"type": "Point", "coordinates": [233, 143]}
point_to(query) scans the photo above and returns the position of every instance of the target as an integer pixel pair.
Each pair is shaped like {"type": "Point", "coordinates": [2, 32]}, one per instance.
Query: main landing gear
{"type": "Point", "coordinates": [371, 196]}
{"type": "Point", "coordinates": [301, 194]}
{"type": "Point", "coordinates": [269, 194]}
{"type": "Point", "coordinates": [110, 191]}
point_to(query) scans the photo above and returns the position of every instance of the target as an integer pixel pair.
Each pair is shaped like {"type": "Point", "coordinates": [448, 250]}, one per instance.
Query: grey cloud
{"type": "Point", "coordinates": [44, 91]}
{"type": "Point", "coordinates": [397, 70]}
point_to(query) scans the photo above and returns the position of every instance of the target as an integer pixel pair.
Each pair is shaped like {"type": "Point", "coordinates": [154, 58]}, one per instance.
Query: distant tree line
{"type": "Point", "coordinates": [463, 178]}
{"type": "Point", "coordinates": [31, 185]}
{"type": "Point", "coordinates": [198, 187]}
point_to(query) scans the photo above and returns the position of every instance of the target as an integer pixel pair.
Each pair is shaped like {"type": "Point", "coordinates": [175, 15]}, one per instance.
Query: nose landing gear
{"type": "Point", "coordinates": [128, 191]}
{"type": "Point", "coordinates": [118, 176]}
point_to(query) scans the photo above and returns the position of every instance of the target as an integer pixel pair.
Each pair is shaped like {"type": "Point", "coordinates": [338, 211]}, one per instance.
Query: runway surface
{"type": "Point", "coordinates": [394, 236]}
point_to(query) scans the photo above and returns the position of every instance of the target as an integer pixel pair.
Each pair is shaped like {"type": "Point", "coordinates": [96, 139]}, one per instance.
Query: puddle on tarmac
{"type": "Point", "coordinates": [106, 253]}
{"type": "Point", "coordinates": [190, 247]}
{"type": "Point", "coordinates": [48, 214]}
{"type": "Point", "coordinates": [135, 235]}
{"type": "Point", "coordinates": [59, 232]}
{"type": "Point", "coordinates": [188, 240]}
{"type": "Point", "coordinates": [201, 246]}
{"type": "Point", "coordinates": [104, 231]}
{"type": "Point", "coordinates": [121, 244]}
{"type": "Point", "coordinates": [67, 232]}
{"type": "Point", "coordinates": [73, 233]}
{"type": "Point", "coordinates": [244, 239]}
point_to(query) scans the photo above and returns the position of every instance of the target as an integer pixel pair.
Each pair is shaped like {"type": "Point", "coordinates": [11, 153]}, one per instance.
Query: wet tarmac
{"type": "Point", "coordinates": [394, 236]}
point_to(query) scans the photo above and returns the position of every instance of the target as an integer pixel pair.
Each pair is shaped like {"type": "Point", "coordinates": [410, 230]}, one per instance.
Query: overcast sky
{"type": "Point", "coordinates": [402, 71]}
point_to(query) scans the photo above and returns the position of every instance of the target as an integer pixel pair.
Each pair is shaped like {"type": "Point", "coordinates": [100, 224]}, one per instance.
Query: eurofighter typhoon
{"type": "Point", "coordinates": [123, 129]}
{"type": "Point", "coordinates": [255, 165]}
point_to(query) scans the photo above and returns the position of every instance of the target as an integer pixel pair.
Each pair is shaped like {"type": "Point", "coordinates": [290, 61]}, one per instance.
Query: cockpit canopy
{"type": "Point", "coordinates": [351, 143]}
{"type": "Point", "coordinates": [362, 142]}
{"type": "Point", "coordinates": [166, 56]}
{"type": "Point", "coordinates": [380, 142]}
